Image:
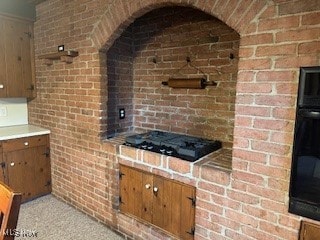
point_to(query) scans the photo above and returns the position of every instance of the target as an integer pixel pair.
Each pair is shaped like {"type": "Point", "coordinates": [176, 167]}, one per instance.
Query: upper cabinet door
{"type": "Point", "coordinates": [3, 64]}
{"type": "Point", "coordinates": [17, 71]}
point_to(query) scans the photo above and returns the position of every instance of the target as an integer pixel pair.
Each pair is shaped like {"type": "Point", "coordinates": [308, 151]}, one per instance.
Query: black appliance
{"type": "Point", "coordinates": [305, 171]}
{"type": "Point", "coordinates": [177, 145]}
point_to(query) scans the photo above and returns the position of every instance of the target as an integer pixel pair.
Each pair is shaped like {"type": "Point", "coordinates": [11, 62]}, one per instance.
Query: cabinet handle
{"type": "Point", "coordinates": [148, 186]}
{"type": "Point", "coordinates": [26, 143]}
{"type": "Point", "coordinates": [155, 189]}
{"type": "Point", "coordinates": [1, 86]}
{"type": "Point", "coordinates": [12, 164]}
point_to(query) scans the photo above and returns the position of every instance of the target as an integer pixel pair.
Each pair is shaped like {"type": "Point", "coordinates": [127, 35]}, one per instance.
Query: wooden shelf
{"type": "Point", "coordinates": [64, 56]}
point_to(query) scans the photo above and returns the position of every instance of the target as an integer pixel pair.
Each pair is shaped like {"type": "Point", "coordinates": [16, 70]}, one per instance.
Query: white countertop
{"type": "Point", "coordinates": [20, 131]}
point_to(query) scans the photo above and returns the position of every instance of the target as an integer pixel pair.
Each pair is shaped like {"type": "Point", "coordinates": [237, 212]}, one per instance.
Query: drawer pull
{"type": "Point", "coordinates": [148, 186]}
{"type": "Point", "coordinates": [1, 86]}
{"type": "Point", "coordinates": [26, 143]}
{"type": "Point", "coordinates": [12, 164]}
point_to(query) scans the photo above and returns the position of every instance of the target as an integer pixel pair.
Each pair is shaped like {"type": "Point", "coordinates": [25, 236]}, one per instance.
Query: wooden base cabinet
{"type": "Point", "coordinates": [26, 166]}
{"type": "Point", "coordinates": [162, 202]}
{"type": "Point", "coordinates": [309, 231]}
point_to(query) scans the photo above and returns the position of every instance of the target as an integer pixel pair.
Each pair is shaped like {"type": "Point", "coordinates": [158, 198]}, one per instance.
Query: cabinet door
{"type": "Point", "coordinates": [28, 166]}
{"type": "Point", "coordinates": [173, 207]}
{"type": "Point", "coordinates": [16, 49]}
{"type": "Point", "coordinates": [147, 197]}
{"type": "Point", "coordinates": [131, 191]}
{"type": "Point", "coordinates": [309, 231]}
{"type": "Point", "coordinates": [20, 165]}
{"type": "Point", "coordinates": [164, 203]}
{"type": "Point", "coordinates": [3, 170]}
{"type": "Point", "coordinates": [136, 193]}
{"type": "Point", "coordinates": [3, 65]}
{"type": "Point", "coordinates": [42, 170]}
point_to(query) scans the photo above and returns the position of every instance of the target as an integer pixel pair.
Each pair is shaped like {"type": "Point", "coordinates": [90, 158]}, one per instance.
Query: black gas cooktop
{"type": "Point", "coordinates": [177, 145]}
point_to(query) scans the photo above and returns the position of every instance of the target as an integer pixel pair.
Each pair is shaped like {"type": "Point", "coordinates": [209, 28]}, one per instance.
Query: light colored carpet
{"type": "Point", "coordinates": [48, 218]}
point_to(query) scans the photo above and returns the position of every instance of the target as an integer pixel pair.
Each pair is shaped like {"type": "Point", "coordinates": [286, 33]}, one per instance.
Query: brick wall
{"type": "Point", "coordinates": [251, 202]}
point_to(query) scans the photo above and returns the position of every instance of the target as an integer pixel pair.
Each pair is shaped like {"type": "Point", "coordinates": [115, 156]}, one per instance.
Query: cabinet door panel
{"type": "Point", "coordinates": [29, 171]}
{"type": "Point", "coordinates": [13, 54]}
{"type": "Point", "coordinates": [3, 170]}
{"type": "Point", "coordinates": [187, 212]}
{"type": "Point", "coordinates": [125, 190]}
{"type": "Point", "coordinates": [21, 174]}
{"type": "Point", "coordinates": [162, 203]}
{"type": "Point", "coordinates": [3, 75]}
{"type": "Point", "coordinates": [17, 70]}
{"type": "Point", "coordinates": [176, 209]}
{"type": "Point", "coordinates": [131, 191]}
{"type": "Point", "coordinates": [27, 60]}
{"type": "Point", "coordinates": [147, 197]}
{"type": "Point", "coordinates": [42, 170]}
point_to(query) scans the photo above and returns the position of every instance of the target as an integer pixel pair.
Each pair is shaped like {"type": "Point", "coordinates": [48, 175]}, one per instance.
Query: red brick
{"type": "Point", "coordinates": [275, 100]}
{"type": "Point", "coordinates": [290, 62]}
{"type": "Point", "coordinates": [292, 7]}
{"type": "Point", "coordinates": [251, 133]}
{"type": "Point", "coordinates": [272, 148]}
{"type": "Point", "coordinates": [215, 176]}
{"type": "Point", "coordinates": [250, 156]}
{"type": "Point", "coordinates": [279, 23]}
{"type": "Point", "coordinates": [179, 166]}
{"type": "Point", "coordinates": [309, 48]}
{"type": "Point", "coordinates": [256, 64]}
{"type": "Point", "coordinates": [248, 177]}
{"type": "Point", "coordinates": [311, 19]}
{"type": "Point", "coordinates": [257, 39]}
{"type": "Point", "coordinates": [282, 50]}
{"type": "Point", "coordinates": [254, 88]}
{"type": "Point", "coordinates": [151, 158]}
{"type": "Point", "coordinates": [297, 35]}
{"type": "Point", "coordinates": [284, 233]}
{"type": "Point", "coordinates": [241, 217]}
{"type": "Point", "coordinates": [268, 171]}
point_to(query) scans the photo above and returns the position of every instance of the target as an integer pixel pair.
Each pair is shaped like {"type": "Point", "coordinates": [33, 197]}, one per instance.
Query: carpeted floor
{"type": "Point", "coordinates": [48, 218]}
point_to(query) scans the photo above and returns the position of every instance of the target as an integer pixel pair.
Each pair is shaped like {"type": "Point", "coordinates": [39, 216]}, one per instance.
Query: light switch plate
{"type": "Point", "coordinates": [3, 111]}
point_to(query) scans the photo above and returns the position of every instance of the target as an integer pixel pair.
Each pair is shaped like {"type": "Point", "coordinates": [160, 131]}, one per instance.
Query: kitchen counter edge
{"type": "Point", "coordinates": [20, 131]}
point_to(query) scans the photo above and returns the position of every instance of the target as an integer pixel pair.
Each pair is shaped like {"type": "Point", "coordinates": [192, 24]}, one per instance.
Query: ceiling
{"type": "Point", "coordinates": [20, 8]}
{"type": "Point", "coordinates": [35, 2]}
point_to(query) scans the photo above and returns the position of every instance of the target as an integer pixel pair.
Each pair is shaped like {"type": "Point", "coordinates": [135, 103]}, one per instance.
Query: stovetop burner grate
{"type": "Point", "coordinates": [177, 145]}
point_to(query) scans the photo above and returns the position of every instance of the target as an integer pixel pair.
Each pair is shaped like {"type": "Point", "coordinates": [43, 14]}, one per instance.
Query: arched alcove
{"type": "Point", "coordinates": [156, 47]}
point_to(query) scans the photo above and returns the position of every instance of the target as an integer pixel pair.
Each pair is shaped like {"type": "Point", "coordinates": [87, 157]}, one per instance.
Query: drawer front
{"type": "Point", "coordinates": [23, 143]}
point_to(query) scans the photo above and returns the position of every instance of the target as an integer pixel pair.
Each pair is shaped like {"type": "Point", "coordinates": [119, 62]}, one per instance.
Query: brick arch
{"type": "Point", "coordinates": [236, 14]}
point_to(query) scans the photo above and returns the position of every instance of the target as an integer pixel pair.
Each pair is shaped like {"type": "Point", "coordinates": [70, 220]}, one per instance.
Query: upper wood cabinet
{"type": "Point", "coordinates": [2, 166]}
{"type": "Point", "coordinates": [17, 67]}
{"type": "Point", "coordinates": [165, 203]}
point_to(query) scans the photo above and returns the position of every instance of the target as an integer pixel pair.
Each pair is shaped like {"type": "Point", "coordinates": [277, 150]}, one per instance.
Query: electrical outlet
{"type": "Point", "coordinates": [122, 113]}
{"type": "Point", "coordinates": [3, 111]}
